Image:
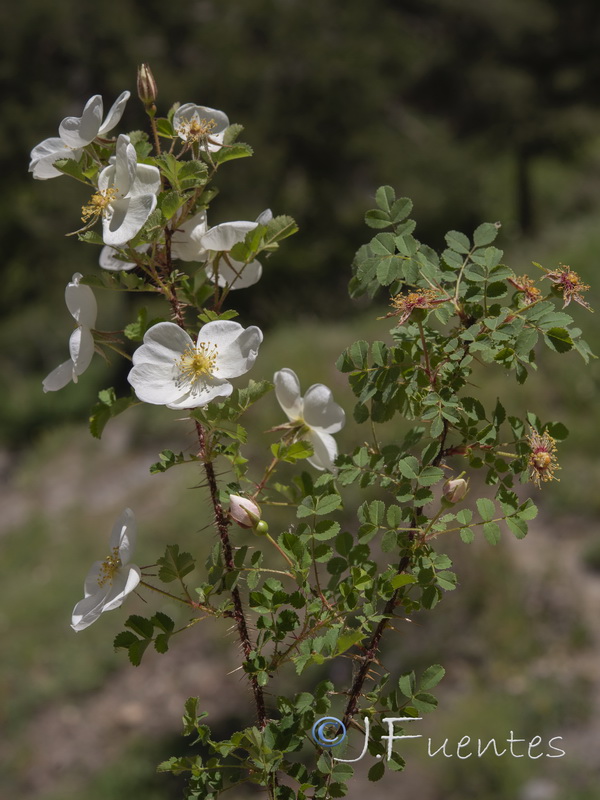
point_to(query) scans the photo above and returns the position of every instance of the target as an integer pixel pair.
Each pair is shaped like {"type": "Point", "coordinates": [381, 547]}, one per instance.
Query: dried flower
{"type": "Point", "coordinates": [405, 304]}
{"type": "Point", "coordinates": [542, 461]}
{"type": "Point", "coordinates": [525, 285]}
{"type": "Point", "coordinates": [570, 285]}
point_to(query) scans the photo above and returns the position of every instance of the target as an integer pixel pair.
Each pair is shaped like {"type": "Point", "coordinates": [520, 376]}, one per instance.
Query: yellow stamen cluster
{"type": "Point", "coordinates": [542, 461]}
{"type": "Point", "coordinates": [97, 204]}
{"type": "Point", "coordinates": [197, 362]}
{"type": "Point", "coordinates": [196, 129]}
{"type": "Point", "coordinates": [110, 565]}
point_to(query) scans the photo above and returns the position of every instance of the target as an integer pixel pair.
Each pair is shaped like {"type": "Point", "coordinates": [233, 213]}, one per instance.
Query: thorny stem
{"type": "Point", "coordinates": [238, 609]}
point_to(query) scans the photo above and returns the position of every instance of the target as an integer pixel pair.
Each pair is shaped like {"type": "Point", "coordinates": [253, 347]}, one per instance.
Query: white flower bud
{"type": "Point", "coordinates": [243, 511]}
{"type": "Point", "coordinates": [455, 489]}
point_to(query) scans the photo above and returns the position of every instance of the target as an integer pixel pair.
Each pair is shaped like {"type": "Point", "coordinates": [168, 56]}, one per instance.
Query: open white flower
{"type": "Point", "coordinates": [74, 134]}
{"type": "Point", "coordinates": [82, 304]}
{"type": "Point", "coordinates": [186, 242]}
{"type": "Point", "coordinates": [316, 414]}
{"type": "Point", "coordinates": [200, 124]}
{"type": "Point", "coordinates": [221, 239]}
{"type": "Point", "coordinates": [126, 195]}
{"type": "Point", "coordinates": [108, 582]}
{"type": "Point", "coordinates": [170, 369]}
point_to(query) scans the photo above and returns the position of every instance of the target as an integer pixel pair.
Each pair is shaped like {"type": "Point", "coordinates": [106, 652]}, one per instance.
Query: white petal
{"type": "Point", "coordinates": [163, 344]}
{"type": "Point", "coordinates": [109, 258]}
{"type": "Point", "coordinates": [81, 302]}
{"type": "Point", "coordinates": [222, 237]}
{"type": "Point", "coordinates": [81, 347]}
{"type": "Point", "coordinates": [80, 131]}
{"type": "Point", "coordinates": [123, 535]}
{"type": "Point", "coordinates": [45, 154]}
{"type": "Point", "coordinates": [115, 114]}
{"type": "Point", "coordinates": [203, 393]}
{"type": "Point", "coordinates": [124, 582]}
{"type": "Point", "coordinates": [236, 348]}
{"type": "Point", "coordinates": [146, 180]}
{"type": "Point", "coordinates": [154, 384]}
{"type": "Point", "coordinates": [321, 412]}
{"type": "Point", "coordinates": [186, 242]}
{"type": "Point", "coordinates": [92, 579]}
{"type": "Point", "coordinates": [265, 216]}
{"type": "Point", "coordinates": [325, 450]}
{"type": "Point", "coordinates": [125, 165]}
{"type": "Point", "coordinates": [88, 610]}
{"type": "Point", "coordinates": [287, 391]}
{"type": "Point", "coordinates": [106, 178]}
{"type": "Point", "coordinates": [59, 377]}
{"type": "Point", "coordinates": [236, 274]}
{"type": "Point", "coordinates": [126, 218]}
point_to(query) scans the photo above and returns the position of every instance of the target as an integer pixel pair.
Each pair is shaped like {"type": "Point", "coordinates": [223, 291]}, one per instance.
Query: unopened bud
{"type": "Point", "coordinates": [146, 85]}
{"type": "Point", "coordinates": [243, 511]}
{"type": "Point", "coordinates": [455, 489]}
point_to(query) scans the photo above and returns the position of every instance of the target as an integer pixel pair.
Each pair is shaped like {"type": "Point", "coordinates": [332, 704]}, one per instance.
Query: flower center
{"type": "Point", "coordinates": [196, 129]}
{"type": "Point", "coordinates": [542, 459]}
{"type": "Point", "coordinates": [196, 363]}
{"type": "Point", "coordinates": [110, 565]}
{"type": "Point", "coordinates": [97, 204]}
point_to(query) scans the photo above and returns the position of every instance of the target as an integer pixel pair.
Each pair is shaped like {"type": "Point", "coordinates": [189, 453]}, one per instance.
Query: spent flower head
{"type": "Point", "coordinates": [526, 286]}
{"type": "Point", "coordinates": [542, 460]}
{"type": "Point", "coordinates": [570, 284]}
{"type": "Point", "coordinates": [405, 304]}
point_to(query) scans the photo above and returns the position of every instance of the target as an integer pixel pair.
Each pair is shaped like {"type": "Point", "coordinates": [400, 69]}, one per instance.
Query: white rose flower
{"type": "Point", "coordinates": [221, 239]}
{"type": "Point", "coordinates": [244, 511]}
{"type": "Point", "coordinates": [200, 124]}
{"type": "Point", "coordinates": [126, 195]}
{"type": "Point", "coordinates": [170, 369]}
{"type": "Point", "coordinates": [108, 582]}
{"type": "Point", "coordinates": [316, 412]}
{"type": "Point", "coordinates": [82, 304]}
{"type": "Point", "coordinates": [74, 134]}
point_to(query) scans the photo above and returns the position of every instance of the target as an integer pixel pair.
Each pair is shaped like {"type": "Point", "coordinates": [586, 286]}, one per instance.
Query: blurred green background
{"type": "Point", "coordinates": [478, 111]}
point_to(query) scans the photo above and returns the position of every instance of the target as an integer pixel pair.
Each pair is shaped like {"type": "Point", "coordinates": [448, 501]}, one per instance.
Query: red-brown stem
{"type": "Point", "coordinates": [172, 296]}
{"type": "Point", "coordinates": [238, 609]}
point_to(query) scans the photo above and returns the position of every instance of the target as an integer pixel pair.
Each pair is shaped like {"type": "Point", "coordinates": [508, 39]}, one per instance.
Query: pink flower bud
{"type": "Point", "coordinates": [455, 489]}
{"type": "Point", "coordinates": [243, 511]}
